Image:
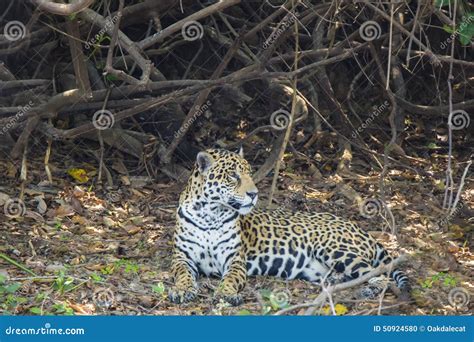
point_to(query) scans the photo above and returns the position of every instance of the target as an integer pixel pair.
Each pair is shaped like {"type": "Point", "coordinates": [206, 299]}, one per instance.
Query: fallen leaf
{"type": "Point", "coordinates": [42, 207]}
{"type": "Point", "coordinates": [82, 309]}
{"type": "Point", "coordinates": [3, 198]}
{"type": "Point", "coordinates": [130, 229]}
{"type": "Point", "coordinates": [55, 268]}
{"type": "Point", "coordinates": [62, 211]}
{"type": "Point", "coordinates": [79, 175]}
{"type": "Point", "coordinates": [109, 222]}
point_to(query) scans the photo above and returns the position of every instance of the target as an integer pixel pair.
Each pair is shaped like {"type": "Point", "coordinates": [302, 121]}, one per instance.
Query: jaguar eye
{"type": "Point", "coordinates": [235, 176]}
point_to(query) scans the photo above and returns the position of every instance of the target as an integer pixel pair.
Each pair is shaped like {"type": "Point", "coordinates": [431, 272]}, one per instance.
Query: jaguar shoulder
{"type": "Point", "coordinates": [219, 232]}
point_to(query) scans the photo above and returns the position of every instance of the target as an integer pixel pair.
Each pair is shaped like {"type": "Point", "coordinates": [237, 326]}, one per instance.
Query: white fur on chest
{"type": "Point", "coordinates": [210, 246]}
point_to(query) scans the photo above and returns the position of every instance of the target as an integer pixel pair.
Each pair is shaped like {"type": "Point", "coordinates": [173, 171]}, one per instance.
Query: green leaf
{"type": "Point", "coordinates": [466, 29]}
{"type": "Point", "coordinates": [159, 288]}
{"type": "Point", "coordinates": [244, 312]}
{"type": "Point", "coordinates": [95, 277]}
{"type": "Point", "coordinates": [265, 293]}
{"type": "Point", "coordinates": [3, 279]}
{"type": "Point", "coordinates": [12, 288]}
{"type": "Point", "coordinates": [35, 310]}
{"type": "Point", "coordinates": [448, 28]}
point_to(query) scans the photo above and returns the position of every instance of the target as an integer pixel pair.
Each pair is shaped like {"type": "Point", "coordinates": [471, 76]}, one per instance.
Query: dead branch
{"type": "Point", "coordinates": [63, 9]}
{"type": "Point", "coordinates": [168, 31]}
{"type": "Point", "coordinates": [322, 297]}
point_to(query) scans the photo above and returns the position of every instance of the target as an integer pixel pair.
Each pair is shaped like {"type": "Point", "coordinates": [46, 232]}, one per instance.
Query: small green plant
{"type": "Point", "coordinates": [438, 279]}
{"type": "Point", "coordinates": [449, 281]}
{"type": "Point", "coordinates": [62, 309]}
{"type": "Point", "coordinates": [128, 266]}
{"type": "Point", "coordinates": [159, 288]}
{"type": "Point", "coordinates": [63, 283]}
{"type": "Point", "coordinates": [108, 269]}
{"type": "Point", "coordinates": [9, 301]}
{"type": "Point", "coordinates": [123, 264]}
{"type": "Point", "coordinates": [96, 278]}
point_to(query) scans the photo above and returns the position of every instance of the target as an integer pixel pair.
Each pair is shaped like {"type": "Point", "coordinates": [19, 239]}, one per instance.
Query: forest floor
{"type": "Point", "coordinates": [84, 249]}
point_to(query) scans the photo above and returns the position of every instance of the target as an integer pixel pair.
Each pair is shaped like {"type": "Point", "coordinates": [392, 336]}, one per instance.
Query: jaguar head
{"type": "Point", "coordinates": [226, 179]}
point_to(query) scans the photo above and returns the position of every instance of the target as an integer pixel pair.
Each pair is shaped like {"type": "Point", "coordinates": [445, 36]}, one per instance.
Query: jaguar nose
{"type": "Point", "coordinates": [252, 194]}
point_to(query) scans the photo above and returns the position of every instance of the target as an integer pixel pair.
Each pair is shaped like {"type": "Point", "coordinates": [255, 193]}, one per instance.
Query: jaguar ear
{"type": "Point", "coordinates": [204, 161]}
{"type": "Point", "coordinates": [241, 151]}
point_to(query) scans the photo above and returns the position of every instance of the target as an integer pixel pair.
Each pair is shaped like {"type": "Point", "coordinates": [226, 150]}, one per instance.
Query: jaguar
{"type": "Point", "coordinates": [220, 233]}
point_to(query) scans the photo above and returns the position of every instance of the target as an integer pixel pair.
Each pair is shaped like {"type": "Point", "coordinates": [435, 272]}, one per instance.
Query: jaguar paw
{"type": "Point", "coordinates": [179, 296]}
{"type": "Point", "coordinates": [234, 299]}
{"type": "Point", "coordinates": [370, 292]}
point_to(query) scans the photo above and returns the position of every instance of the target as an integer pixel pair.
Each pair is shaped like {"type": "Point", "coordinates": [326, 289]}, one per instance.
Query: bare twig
{"type": "Point", "coordinates": [168, 31]}
{"type": "Point", "coordinates": [63, 9]}
{"type": "Point", "coordinates": [320, 300]}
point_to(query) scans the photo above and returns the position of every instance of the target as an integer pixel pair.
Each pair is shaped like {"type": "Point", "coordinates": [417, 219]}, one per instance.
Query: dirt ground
{"type": "Point", "coordinates": [88, 249]}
